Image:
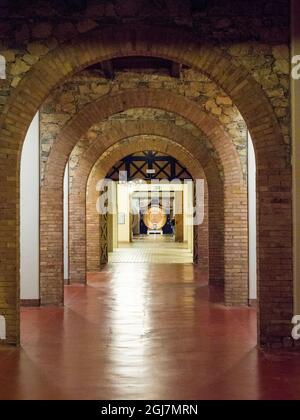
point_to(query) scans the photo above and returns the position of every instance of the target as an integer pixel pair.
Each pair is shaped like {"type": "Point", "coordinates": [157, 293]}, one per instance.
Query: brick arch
{"type": "Point", "coordinates": [51, 192]}
{"type": "Point", "coordinates": [184, 141]}
{"type": "Point", "coordinates": [136, 143]}
{"type": "Point", "coordinates": [102, 165]}
{"type": "Point", "coordinates": [164, 100]}
{"type": "Point", "coordinates": [274, 195]}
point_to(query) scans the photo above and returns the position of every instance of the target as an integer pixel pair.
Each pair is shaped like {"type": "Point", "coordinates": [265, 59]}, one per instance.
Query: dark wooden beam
{"type": "Point", "coordinates": [176, 69]}
{"type": "Point", "coordinates": [150, 160]}
{"type": "Point", "coordinates": [108, 69]}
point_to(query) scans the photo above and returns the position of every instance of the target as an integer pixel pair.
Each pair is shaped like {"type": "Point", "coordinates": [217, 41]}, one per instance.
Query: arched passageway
{"type": "Point", "coordinates": [132, 131]}
{"type": "Point", "coordinates": [274, 197]}
{"type": "Point", "coordinates": [235, 189]}
{"type": "Point", "coordinates": [133, 145]}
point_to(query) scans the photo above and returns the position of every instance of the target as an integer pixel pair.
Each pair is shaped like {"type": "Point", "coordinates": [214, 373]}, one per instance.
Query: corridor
{"type": "Point", "coordinates": [144, 332]}
{"type": "Point", "coordinates": [149, 199]}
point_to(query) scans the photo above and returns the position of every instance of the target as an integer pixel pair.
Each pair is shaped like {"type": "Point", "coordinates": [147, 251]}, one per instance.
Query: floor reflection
{"type": "Point", "coordinates": [143, 331]}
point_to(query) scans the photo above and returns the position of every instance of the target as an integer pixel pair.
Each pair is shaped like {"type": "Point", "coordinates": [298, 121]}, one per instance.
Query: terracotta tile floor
{"type": "Point", "coordinates": [144, 331]}
{"type": "Point", "coordinates": [154, 250]}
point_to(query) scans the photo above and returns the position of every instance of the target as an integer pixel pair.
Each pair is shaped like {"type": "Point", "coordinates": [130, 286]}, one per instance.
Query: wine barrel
{"type": "Point", "coordinates": [155, 218]}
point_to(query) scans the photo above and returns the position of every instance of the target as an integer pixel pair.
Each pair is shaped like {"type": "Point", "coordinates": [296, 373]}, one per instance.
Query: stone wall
{"type": "Point", "coordinates": [254, 34]}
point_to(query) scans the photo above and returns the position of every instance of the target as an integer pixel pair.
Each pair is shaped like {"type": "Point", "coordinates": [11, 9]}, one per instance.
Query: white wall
{"type": "Point", "coordinates": [252, 220]}
{"type": "Point", "coordinates": [29, 213]}
{"type": "Point", "coordinates": [188, 209]}
{"type": "Point", "coordinates": [115, 214]}
{"type": "Point", "coordinates": [2, 67]}
{"type": "Point", "coordinates": [66, 223]}
{"type": "Point", "coordinates": [2, 328]}
{"type": "Point", "coordinates": [185, 214]}
{"type": "Point", "coordinates": [123, 207]}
